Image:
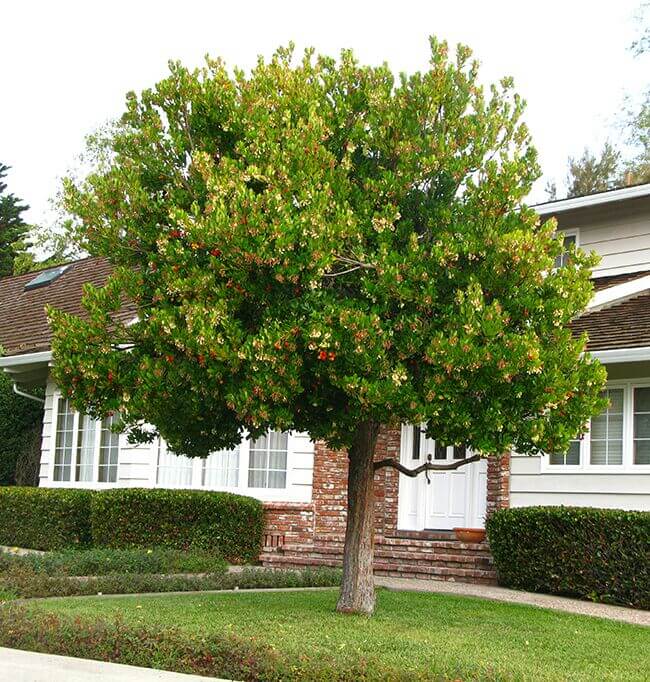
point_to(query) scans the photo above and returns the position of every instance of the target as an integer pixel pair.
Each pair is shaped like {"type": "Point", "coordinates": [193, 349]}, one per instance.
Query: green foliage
{"type": "Point", "coordinates": [599, 554]}
{"type": "Point", "coordinates": [112, 561]}
{"type": "Point", "coordinates": [593, 173]}
{"type": "Point", "coordinates": [23, 581]}
{"type": "Point", "coordinates": [45, 518]}
{"type": "Point", "coordinates": [222, 655]}
{"type": "Point", "coordinates": [13, 228]}
{"type": "Point", "coordinates": [318, 244]}
{"type": "Point", "coordinates": [125, 518]}
{"type": "Point", "coordinates": [18, 418]}
{"type": "Point", "coordinates": [415, 636]}
{"type": "Point", "coordinates": [231, 525]}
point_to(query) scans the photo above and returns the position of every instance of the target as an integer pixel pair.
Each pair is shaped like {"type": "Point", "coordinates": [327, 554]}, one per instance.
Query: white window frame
{"type": "Point", "coordinates": [265, 494]}
{"type": "Point", "coordinates": [570, 232]}
{"type": "Point", "coordinates": [627, 466]}
{"type": "Point", "coordinates": [73, 483]}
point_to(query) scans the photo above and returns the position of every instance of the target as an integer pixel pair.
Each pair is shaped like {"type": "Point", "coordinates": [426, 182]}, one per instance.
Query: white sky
{"type": "Point", "coordinates": [66, 66]}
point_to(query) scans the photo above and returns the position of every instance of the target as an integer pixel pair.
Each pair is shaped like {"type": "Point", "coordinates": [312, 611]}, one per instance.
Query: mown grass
{"type": "Point", "coordinates": [411, 636]}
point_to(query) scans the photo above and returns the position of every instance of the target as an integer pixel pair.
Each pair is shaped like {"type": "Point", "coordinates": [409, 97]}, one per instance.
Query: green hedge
{"type": "Point", "coordinates": [45, 518]}
{"type": "Point", "coordinates": [59, 518]}
{"type": "Point", "coordinates": [597, 554]}
{"type": "Point", "coordinates": [231, 525]}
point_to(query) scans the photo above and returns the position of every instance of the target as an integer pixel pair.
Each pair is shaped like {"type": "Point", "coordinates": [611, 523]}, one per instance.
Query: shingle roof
{"type": "Point", "coordinates": [23, 324]}
{"type": "Point", "coordinates": [601, 283]}
{"type": "Point", "coordinates": [24, 327]}
{"type": "Point", "coordinates": [625, 325]}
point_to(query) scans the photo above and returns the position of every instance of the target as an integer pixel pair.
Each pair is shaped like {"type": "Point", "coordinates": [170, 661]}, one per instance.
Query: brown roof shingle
{"type": "Point", "coordinates": [626, 325]}
{"type": "Point", "coordinates": [23, 324]}
{"type": "Point", "coordinates": [24, 327]}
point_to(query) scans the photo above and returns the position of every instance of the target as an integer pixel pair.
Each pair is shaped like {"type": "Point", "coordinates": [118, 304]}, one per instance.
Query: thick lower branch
{"type": "Point", "coordinates": [427, 466]}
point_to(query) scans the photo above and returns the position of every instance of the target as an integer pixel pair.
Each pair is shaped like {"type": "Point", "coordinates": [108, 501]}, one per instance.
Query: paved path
{"type": "Point", "coordinates": [27, 666]}
{"type": "Point", "coordinates": [547, 601]}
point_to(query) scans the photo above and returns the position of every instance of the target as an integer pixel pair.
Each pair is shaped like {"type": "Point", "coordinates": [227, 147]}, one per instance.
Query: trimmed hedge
{"type": "Point", "coordinates": [45, 518]}
{"type": "Point", "coordinates": [223, 523]}
{"type": "Point", "coordinates": [231, 526]}
{"type": "Point", "coordinates": [597, 554]}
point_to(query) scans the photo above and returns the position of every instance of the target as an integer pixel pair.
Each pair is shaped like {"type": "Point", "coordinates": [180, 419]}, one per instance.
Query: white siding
{"type": "Point", "coordinates": [619, 234]}
{"type": "Point", "coordinates": [137, 464]}
{"type": "Point", "coordinates": [530, 486]}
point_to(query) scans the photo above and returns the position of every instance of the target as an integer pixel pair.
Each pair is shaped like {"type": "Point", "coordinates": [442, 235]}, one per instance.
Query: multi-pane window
{"type": "Point", "coordinates": [570, 457]}
{"type": "Point", "coordinates": [267, 465]}
{"type": "Point", "coordinates": [174, 471]}
{"type": "Point", "coordinates": [606, 435]}
{"type": "Point", "coordinates": [563, 258]}
{"type": "Point", "coordinates": [618, 439]}
{"type": "Point", "coordinates": [642, 425]}
{"type": "Point", "coordinates": [108, 451]}
{"type": "Point", "coordinates": [221, 469]}
{"type": "Point", "coordinates": [63, 443]}
{"type": "Point", "coordinates": [85, 450]}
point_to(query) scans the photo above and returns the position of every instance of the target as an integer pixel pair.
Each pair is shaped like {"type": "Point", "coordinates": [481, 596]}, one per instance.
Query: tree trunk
{"type": "Point", "coordinates": [358, 586]}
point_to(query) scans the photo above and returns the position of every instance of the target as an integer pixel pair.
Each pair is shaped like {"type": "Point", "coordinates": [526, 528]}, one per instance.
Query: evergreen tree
{"type": "Point", "coordinates": [13, 228]}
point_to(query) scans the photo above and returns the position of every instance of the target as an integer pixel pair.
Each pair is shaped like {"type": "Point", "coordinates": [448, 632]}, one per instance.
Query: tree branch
{"type": "Point", "coordinates": [427, 466]}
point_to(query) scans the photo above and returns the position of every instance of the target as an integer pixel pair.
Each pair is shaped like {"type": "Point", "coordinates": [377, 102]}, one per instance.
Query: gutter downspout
{"type": "Point", "coordinates": [17, 391]}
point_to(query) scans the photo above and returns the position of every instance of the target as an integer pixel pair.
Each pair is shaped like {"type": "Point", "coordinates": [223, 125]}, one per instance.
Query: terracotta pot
{"type": "Point", "coordinates": [470, 534]}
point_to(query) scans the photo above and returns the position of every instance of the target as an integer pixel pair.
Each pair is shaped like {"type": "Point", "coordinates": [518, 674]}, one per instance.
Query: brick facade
{"type": "Point", "coordinates": [300, 534]}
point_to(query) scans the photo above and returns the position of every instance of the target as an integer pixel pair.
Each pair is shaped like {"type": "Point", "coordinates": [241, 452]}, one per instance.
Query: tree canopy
{"type": "Point", "coordinates": [320, 244]}
{"type": "Point", "coordinates": [13, 228]}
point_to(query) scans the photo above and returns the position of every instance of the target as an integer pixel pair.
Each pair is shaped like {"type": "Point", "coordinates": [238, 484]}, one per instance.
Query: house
{"type": "Point", "coordinates": [303, 484]}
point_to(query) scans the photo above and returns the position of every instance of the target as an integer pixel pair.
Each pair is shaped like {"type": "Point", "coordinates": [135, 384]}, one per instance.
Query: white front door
{"type": "Point", "coordinates": [454, 498]}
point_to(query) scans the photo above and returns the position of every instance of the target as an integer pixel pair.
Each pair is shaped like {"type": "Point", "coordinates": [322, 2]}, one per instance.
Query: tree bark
{"type": "Point", "coordinates": [358, 586]}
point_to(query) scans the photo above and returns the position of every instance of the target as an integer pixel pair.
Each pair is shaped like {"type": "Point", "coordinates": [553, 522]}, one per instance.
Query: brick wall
{"type": "Point", "coordinates": [313, 533]}
{"type": "Point", "coordinates": [498, 483]}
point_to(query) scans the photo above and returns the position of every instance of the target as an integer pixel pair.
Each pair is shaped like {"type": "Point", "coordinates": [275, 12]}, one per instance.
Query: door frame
{"type": "Point", "coordinates": [412, 493]}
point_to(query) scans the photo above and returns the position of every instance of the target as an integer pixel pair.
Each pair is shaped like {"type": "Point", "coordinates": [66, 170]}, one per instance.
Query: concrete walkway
{"type": "Point", "coordinates": [547, 601]}
{"type": "Point", "coordinates": [27, 666]}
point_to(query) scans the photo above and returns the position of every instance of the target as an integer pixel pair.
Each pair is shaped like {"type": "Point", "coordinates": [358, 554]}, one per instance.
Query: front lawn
{"type": "Point", "coordinates": [412, 635]}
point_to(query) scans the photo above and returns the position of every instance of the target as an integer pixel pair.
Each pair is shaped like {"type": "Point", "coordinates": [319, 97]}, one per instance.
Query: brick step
{"type": "Point", "coordinates": [407, 557]}
{"type": "Point", "coordinates": [416, 552]}
{"type": "Point", "coordinates": [387, 568]}
{"type": "Point", "coordinates": [449, 544]}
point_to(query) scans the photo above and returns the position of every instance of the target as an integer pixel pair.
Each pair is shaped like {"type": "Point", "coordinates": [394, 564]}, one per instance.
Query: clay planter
{"type": "Point", "coordinates": [470, 534]}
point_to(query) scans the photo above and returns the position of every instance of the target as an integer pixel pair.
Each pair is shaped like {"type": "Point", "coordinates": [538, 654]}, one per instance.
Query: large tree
{"type": "Point", "coordinates": [323, 247]}
{"type": "Point", "coordinates": [13, 228]}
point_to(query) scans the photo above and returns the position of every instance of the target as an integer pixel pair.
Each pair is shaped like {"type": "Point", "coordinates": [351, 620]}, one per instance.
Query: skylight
{"type": "Point", "coordinates": [46, 277]}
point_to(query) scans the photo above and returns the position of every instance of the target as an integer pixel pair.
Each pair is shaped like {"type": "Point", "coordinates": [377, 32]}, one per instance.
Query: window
{"type": "Point", "coordinates": [221, 469]}
{"type": "Point", "coordinates": [267, 465]}
{"type": "Point", "coordinates": [642, 425]}
{"type": "Point", "coordinates": [607, 431]}
{"type": "Point", "coordinates": [417, 436]}
{"type": "Point", "coordinates": [260, 464]}
{"type": "Point", "coordinates": [569, 240]}
{"type": "Point", "coordinates": [63, 445]}
{"type": "Point", "coordinates": [173, 471]}
{"type": "Point", "coordinates": [570, 457]}
{"type": "Point", "coordinates": [108, 451]}
{"type": "Point", "coordinates": [618, 439]}
{"type": "Point", "coordinates": [85, 450]}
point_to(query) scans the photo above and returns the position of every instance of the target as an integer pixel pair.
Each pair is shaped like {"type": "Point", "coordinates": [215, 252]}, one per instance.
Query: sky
{"type": "Point", "coordinates": [66, 66]}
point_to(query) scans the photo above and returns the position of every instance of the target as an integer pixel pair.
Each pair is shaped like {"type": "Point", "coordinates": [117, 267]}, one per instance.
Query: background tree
{"type": "Point", "coordinates": [21, 423]}
{"type": "Point", "coordinates": [321, 247]}
{"type": "Point", "coordinates": [13, 228]}
{"type": "Point", "coordinates": [610, 169]}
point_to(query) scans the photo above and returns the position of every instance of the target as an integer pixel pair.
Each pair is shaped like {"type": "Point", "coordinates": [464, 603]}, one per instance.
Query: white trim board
{"type": "Point", "coordinates": [617, 294]}
{"type": "Point", "coordinates": [552, 207]}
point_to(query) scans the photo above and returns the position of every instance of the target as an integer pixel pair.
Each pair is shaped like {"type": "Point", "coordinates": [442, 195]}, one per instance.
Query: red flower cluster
{"type": "Point", "coordinates": [324, 355]}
